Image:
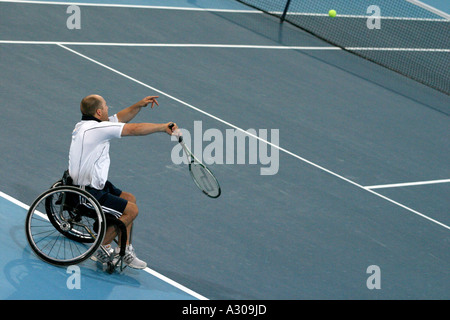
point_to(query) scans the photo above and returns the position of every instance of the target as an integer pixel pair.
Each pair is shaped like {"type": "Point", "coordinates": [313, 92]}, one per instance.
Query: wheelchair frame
{"type": "Point", "coordinates": [66, 225]}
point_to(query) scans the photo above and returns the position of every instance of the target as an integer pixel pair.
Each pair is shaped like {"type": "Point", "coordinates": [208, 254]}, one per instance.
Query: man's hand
{"type": "Point", "coordinates": [127, 114]}
{"type": "Point", "coordinates": [172, 129]}
{"type": "Point", "coordinates": [151, 99]}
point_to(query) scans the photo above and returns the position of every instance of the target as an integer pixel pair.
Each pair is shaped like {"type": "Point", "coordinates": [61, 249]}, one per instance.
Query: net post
{"type": "Point", "coordinates": [286, 8]}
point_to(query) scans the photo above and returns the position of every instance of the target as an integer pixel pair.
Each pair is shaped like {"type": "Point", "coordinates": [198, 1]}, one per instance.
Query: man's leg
{"type": "Point", "coordinates": [124, 203]}
{"type": "Point", "coordinates": [110, 198]}
{"type": "Point", "coordinates": [131, 199]}
{"type": "Point", "coordinates": [130, 213]}
{"type": "Point", "coordinates": [132, 210]}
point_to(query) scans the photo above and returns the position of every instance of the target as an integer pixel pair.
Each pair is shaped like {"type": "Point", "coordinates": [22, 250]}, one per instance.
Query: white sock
{"type": "Point", "coordinates": [128, 247]}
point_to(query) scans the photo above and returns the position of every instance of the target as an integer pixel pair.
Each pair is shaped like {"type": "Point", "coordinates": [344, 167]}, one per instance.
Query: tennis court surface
{"type": "Point", "coordinates": [340, 190]}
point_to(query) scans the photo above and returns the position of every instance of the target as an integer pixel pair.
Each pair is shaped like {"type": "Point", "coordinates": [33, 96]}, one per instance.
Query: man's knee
{"type": "Point", "coordinates": [128, 196]}
{"type": "Point", "coordinates": [131, 210]}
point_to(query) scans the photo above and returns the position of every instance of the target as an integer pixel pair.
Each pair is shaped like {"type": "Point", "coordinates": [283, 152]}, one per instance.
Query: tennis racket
{"type": "Point", "coordinates": [202, 176]}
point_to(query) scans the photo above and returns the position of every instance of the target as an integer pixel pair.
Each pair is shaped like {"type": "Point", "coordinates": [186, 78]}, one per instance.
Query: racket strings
{"type": "Point", "coordinates": [205, 180]}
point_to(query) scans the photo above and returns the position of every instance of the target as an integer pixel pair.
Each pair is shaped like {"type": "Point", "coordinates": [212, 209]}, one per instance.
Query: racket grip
{"type": "Point", "coordinates": [180, 138]}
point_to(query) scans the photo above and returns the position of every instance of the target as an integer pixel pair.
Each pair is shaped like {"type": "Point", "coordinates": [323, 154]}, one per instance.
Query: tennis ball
{"type": "Point", "coordinates": [332, 13]}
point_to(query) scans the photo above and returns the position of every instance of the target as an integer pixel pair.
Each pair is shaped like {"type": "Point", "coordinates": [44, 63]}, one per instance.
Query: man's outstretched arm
{"type": "Point", "coordinates": [129, 113]}
{"type": "Point", "coordinates": [142, 129]}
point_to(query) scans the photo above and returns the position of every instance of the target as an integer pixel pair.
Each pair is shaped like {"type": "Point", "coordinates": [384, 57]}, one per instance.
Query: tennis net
{"type": "Point", "coordinates": [406, 36]}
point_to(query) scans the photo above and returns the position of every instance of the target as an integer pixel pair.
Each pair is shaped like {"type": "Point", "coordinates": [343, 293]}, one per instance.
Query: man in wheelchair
{"type": "Point", "coordinates": [89, 164]}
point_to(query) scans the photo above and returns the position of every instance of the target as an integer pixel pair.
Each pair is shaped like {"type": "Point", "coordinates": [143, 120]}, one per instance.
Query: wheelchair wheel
{"type": "Point", "coordinates": [65, 225]}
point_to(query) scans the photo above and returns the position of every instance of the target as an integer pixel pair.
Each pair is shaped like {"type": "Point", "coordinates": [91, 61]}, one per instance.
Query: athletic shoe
{"type": "Point", "coordinates": [131, 259]}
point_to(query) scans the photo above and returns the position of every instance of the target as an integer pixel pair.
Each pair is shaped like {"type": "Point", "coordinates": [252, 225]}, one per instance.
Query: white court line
{"type": "Point", "coordinates": [430, 8]}
{"type": "Point", "coordinates": [168, 45]}
{"type": "Point", "coordinates": [254, 136]}
{"type": "Point", "coordinates": [148, 270]}
{"type": "Point", "coordinates": [135, 6]}
{"type": "Point", "coordinates": [396, 49]}
{"type": "Point", "coordinates": [212, 45]}
{"type": "Point", "coordinates": [407, 184]}
{"type": "Point", "coordinates": [14, 200]}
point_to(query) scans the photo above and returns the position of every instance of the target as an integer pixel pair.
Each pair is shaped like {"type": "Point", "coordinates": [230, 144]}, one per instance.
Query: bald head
{"type": "Point", "coordinates": [90, 104]}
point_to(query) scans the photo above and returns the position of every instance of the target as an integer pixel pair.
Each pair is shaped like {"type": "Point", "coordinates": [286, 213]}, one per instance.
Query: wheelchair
{"type": "Point", "coordinates": [66, 225]}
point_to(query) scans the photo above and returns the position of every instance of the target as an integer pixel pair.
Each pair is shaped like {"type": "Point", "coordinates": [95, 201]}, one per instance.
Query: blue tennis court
{"type": "Point", "coordinates": [329, 164]}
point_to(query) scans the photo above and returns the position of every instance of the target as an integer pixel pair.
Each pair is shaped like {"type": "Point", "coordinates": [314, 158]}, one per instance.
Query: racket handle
{"type": "Point", "coordinates": [180, 138]}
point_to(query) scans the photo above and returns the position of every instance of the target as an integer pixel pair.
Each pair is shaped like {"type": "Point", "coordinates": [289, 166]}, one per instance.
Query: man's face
{"type": "Point", "coordinates": [103, 110]}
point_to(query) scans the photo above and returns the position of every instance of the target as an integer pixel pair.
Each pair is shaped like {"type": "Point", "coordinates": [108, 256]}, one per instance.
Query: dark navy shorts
{"type": "Point", "coordinates": [109, 198]}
